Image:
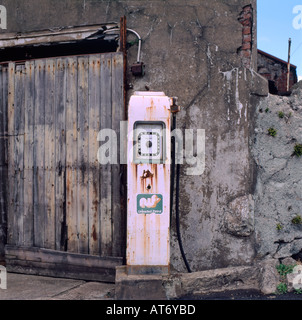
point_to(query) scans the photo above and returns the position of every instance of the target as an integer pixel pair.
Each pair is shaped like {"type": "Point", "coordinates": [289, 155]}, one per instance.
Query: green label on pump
{"type": "Point", "coordinates": [149, 203]}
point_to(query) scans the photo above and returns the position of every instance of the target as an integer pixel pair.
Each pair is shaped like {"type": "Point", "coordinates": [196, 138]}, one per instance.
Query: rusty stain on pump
{"type": "Point", "coordinates": [147, 174]}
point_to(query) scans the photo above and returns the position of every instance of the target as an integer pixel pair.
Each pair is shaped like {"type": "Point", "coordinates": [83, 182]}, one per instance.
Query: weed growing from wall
{"type": "Point", "coordinates": [272, 132]}
{"type": "Point", "coordinates": [279, 226]}
{"type": "Point", "coordinates": [297, 220]}
{"type": "Point", "coordinates": [298, 150]}
{"type": "Point", "coordinates": [283, 270]}
{"type": "Point", "coordinates": [282, 288]}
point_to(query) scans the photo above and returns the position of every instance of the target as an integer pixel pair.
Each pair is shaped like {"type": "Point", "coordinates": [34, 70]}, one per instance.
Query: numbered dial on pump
{"type": "Point", "coordinates": [149, 142]}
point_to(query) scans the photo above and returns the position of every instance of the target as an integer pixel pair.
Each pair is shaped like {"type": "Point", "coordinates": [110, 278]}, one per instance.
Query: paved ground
{"type": "Point", "coordinates": [28, 287]}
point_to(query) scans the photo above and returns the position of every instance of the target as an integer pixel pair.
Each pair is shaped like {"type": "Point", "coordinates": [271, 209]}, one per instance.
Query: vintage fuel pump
{"type": "Point", "coordinates": [148, 212]}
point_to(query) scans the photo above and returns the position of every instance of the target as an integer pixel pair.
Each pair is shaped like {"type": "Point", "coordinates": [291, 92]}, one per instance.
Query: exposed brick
{"type": "Point", "coordinates": [246, 19]}
{"type": "Point", "coordinates": [245, 53]}
{"type": "Point", "coordinates": [247, 38]}
{"type": "Point", "coordinates": [246, 46]}
{"type": "Point", "coordinates": [247, 30]}
{"type": "Point", "coordinates": [246, 22]}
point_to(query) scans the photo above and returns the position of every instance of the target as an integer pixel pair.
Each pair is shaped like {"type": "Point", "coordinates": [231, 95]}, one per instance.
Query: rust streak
{"type": "Point", "coordinates": [147, 174]}
{"type": "Point", "coordinates": [94, 234]}
{"type": "Point", "coordinates": [151, 111]}
{"type": "Point", "coordinates": [143, 185]}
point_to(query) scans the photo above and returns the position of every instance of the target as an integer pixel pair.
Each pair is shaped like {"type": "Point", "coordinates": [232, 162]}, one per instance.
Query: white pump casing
{"type": "Point", "coordinates": [148, 206]}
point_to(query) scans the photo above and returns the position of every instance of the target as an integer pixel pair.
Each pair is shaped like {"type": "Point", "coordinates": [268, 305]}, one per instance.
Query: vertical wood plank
{"type": "Point", "coordinates": [71, 153]}
{"type": "Point", "coordinates": [118, 215]}
{"type": "Point", "coordinates": [105, 172]}
{"type": "Point", "coordinates": [93, 175]}
{"type": "Point", "coordinates": [28, 218]}
{"type": "Point", "coordinates": [19, 152]}
{"type": "Point", "coordinates": [49, 226]}
{"type": "Point", "coordinates": [60, 154]}
{"type": "Point", "coordinates": [39, 155]}
{"type": "Point", "coordinates": [11, 236]}
{"type": "Point", "coordinates": [3, 158]}
{"type": "Point", "coordinates": [82, 182]}
{"type": "Point", "coordinates": [3, 115]}
{"type": "Point", "coordinates": [5, 109]}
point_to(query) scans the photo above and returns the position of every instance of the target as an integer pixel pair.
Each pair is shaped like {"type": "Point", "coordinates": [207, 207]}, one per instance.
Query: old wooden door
{"type": "Point", "coordinates": [64, 209]}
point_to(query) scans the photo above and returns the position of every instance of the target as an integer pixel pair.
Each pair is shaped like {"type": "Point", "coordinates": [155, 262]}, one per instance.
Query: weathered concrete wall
{"type": "Point", "coordinates": [279, 185]}
{"type": "Point", "coordinates": [202, 52]}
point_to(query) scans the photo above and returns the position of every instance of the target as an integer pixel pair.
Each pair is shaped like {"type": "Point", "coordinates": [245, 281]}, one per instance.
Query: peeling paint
{"type": "Point", "coordinates": [209, 55]}
{"type": "Point", "coordinates": [228, 74]}
{"type": "Point", "coordinates": [228, 77]}
{"type": "Point", "coordinates": [238, 103]}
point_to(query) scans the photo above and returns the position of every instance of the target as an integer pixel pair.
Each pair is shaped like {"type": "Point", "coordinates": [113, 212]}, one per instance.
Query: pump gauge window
{"type": "Point", "coordinates": [149, 142]}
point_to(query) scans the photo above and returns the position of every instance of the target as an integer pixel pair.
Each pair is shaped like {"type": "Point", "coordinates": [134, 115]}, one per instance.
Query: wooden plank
{"type": "Point", "coordinates": [28, 219]}
{"type": "Point", "coordinates": [71, 153]}
{"type": "Point", "coordinates": [5, 104]}
{"type": "Point", "coordinates": [49, 225]}
{"type": "Point", "coordinates": [3, 158]}
{"type": "Point", "coordinates": [11, 235]}
{"type": "Point", "coordinates": [118, 214]}
{"type": "Point", "coordinates": [19, 153]}
{"type": "Point", "coordinates": [105, 173]}
{"type": "Point", "coordinates": [3, 117]}
{"type": "Point", "coordinates": [61, 264]}
{"type": "Point", "coordinates": [93, 174]}
{"type": "Point", "coordinates": [3, 114]}
{"type": "Point", "coordinates": [83, 135]}
{"type": "Point", "coordinates": [60, 154]}
{"type": "Point", "coordinates": [39, 155]}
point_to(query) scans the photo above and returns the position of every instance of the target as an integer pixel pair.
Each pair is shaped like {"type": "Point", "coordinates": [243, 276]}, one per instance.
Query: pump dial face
{"type": "Point", "coordinates": [148, 142]}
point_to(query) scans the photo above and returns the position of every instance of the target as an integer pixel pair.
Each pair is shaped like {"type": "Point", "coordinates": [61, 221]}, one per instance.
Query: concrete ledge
{"type": "Point", "coordinates": [220, 280]}
{"type": "Point", "coordinates": [138, 287]}
{"type": "Point", "coordinates": [259, 85]}
{"type": "Point", "coordinates": [147, 270]}
{"type": "Point", "coordinates": [177, 285]}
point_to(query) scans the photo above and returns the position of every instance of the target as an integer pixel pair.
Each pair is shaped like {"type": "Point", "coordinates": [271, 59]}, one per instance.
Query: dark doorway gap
{"type": "Point", "coordinates": [47, 50]}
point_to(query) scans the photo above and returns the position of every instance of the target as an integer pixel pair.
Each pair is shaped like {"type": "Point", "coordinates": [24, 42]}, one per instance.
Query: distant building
{"type": "Point", "coordinates": [275, 71]}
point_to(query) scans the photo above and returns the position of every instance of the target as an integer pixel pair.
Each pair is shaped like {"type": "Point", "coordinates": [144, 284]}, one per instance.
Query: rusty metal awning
{"type": "Point", "coordinates": [60, 42]}
{"type": "Point", "coordinates": [58, 35]}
